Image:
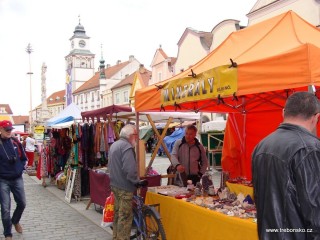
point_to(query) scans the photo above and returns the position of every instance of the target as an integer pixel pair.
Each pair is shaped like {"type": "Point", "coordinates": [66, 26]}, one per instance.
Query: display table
{"type": "Point", "coordinates": [240, 188]}
{"type": "Point", "coordinates": [183, 220]}
{"type": "Point", "coordinates": [99, 187]}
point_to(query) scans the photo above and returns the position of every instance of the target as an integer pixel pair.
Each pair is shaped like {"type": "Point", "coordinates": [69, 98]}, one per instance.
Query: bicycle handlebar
{"type": "Point", "coordinates": [142, 183]}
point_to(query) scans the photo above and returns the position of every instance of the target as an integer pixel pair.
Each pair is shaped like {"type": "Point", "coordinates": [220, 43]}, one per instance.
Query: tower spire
{"type": "Point", "coordinates": [102, 66]}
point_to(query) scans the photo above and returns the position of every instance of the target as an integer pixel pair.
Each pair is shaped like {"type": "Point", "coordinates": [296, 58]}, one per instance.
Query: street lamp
{"type": "Point", "coordinates": [29, 50]}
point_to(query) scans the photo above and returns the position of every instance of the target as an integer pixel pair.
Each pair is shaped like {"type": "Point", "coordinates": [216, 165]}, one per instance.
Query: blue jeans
{"type": "Point", "coordinates": [17, 188]}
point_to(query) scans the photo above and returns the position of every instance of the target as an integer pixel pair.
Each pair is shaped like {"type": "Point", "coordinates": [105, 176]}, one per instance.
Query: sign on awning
{"type": "Point", "coordinates": [217, 81]}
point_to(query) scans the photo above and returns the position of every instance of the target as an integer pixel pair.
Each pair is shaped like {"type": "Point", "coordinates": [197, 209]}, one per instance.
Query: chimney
{"type": "Point", "coordinates": [108, 65]}
{"type": "Point", "coordinates": [118, 62]}
{"type": "Point", "coordinates": [131, 58]}
{"type": "Point", "coordinates": [142, 69]}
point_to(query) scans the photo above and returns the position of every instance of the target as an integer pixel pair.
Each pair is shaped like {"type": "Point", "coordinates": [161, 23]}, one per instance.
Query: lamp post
{"type": "Point", "coordinates": [29, 50]}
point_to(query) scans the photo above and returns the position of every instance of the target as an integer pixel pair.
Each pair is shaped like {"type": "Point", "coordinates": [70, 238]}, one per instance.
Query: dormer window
{"type": "Point", "coordinates": [57, 98]}
{"type": "Point", "coordinates": [50, 99]}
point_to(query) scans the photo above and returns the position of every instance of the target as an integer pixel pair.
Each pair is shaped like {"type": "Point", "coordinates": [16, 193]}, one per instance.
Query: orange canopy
{"type": "Point", "coordinates": [274, 58]}
{"type": "Point", "coordinates": [279, 53]}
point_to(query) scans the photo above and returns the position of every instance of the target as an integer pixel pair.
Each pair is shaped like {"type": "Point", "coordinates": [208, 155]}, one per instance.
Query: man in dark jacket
{"type": "Point", "coordinates": [12, 163]}
{"type": "Point", "coordinates": [286, 174]}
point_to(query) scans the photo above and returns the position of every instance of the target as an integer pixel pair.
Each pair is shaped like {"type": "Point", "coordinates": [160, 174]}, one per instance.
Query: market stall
{"type": "Point", "coordinates": [184, 220]}
{"type": "Point", "coordinates": [67, 115]}
{"type": "Point", "coordinates": [250, 75]}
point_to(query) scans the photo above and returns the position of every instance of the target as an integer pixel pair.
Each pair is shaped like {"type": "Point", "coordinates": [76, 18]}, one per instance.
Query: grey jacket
{"type": "Point", "coordinates": [123, 166]}
{"type": "Point", "coordinates": [188, 157]}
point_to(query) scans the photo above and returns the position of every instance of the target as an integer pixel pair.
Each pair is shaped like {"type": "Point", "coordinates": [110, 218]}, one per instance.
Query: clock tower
{"type": "Point", "coordinates": [79, 62]}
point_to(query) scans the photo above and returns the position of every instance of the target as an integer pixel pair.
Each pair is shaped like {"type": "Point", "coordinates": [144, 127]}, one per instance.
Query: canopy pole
{"type": "Point", "coordinates": [137, 147]}
{"type": "Point", "coordinates": [160, 140]}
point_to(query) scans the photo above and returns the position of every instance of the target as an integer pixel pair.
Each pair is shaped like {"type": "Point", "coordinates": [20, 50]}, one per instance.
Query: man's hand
{"type": "Point", "coordinates": [142, 183]}
{"type": "Point", "coordinates": [180, 168]}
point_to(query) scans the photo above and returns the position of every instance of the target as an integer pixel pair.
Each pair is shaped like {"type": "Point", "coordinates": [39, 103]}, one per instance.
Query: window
{"type": "Point", "coordinates": [78, 62]}
{"type": "Point", "coordinates": [81, 98]}
{"type": "Point", "coordinates": [159, 77]}
{"type": "Point", "coordinates": [98, 96]}
{"type": "Point", "coordinates": [117, 100]}
{"type": "Point", "coordinates": [92, 96]}
{"type": "Point", "coordinates": [125, 97]}
{"type": "Point", "coordinates": [86, 97]}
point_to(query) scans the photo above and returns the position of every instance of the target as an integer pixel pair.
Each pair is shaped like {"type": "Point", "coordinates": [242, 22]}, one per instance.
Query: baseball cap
{"type": "Point", "coordinates": [7, 125]}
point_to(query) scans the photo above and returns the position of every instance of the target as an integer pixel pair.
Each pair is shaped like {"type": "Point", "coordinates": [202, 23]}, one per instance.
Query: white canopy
{"type": "Point", "coordinates": [72, 111]}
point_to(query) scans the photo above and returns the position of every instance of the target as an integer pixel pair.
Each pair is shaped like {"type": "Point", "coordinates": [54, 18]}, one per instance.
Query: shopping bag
{"type": "Point", "coordinates": [108, 212]}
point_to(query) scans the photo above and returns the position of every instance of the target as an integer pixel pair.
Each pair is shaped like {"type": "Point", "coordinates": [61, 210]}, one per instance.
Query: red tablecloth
{"type": "Point", "coordinates": [99, 187]}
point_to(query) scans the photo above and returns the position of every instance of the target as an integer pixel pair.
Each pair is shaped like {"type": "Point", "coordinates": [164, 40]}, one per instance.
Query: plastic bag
{"type": "Point", "coordinates": [108, 212]}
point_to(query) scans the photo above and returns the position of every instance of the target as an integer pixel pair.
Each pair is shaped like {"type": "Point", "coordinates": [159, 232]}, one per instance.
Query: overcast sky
{"type": "Point", "coordinates": [124, 27]}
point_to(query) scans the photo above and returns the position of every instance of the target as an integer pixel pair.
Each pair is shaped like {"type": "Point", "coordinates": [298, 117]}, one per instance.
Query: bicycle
{"type": "Point", "coordinates": [146, 222]}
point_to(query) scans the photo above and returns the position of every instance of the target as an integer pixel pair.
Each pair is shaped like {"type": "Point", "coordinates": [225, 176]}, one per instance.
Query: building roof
{"type": "Point", "coordinates": [205, 37]}
{"type": "Point", "coordinates": [128, 80]}
{"type": "Point", "coordinates": [55, 98]}
{"type": "Point", "coordinates": [163, 53]}
{"type": "Point", "coordinates": [94, 82]}
{"type": "Point", "coordinates": [6, 108]}
{"type": "Point", "coordinates": [20, 119]}
{"type": "Point", "coordinates": [144, 75]}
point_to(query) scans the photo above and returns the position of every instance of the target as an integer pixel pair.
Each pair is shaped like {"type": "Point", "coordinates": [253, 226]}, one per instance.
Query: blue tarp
{"type": "Point", "coordinates": [170, 140]}
{"type": "Point", "coordinates": [60, 120]}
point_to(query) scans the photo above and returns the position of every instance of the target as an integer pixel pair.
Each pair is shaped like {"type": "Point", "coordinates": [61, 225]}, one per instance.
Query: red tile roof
{"type": "Point", "coordinates": [145, 77]}
{"type": "Point", "coordinates": [20, 119]}
{"type": "Point", "coordinates": [124, 82]}
{"type": "Point", "coordinates": [163, 53]}
{"type": "Point", "coordinates": [94, 81]}
{"type": "Point", "coordinates": [57, 98]}
{"type": "Point", "coordinates": [6, 108]}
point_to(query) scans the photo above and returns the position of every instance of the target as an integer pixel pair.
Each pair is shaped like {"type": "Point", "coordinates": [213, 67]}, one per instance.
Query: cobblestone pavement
{"type": "Point", "coordinates": [47, 216]}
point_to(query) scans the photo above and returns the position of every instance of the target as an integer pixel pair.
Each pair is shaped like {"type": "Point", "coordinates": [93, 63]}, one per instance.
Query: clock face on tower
{"type": "Point", "coordinates": [82, 43]}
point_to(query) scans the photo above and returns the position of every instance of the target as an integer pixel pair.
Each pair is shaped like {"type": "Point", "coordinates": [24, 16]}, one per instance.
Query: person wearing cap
{"type": "Point", "coordinates": [12, 163]}
{"type": "Point", "coordinates": [30, 142]}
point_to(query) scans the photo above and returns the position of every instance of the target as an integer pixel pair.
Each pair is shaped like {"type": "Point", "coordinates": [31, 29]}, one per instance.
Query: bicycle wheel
{"type": "Point", "coordinates": [154, 228]}
{"type": "Point", "coordinates": [135, 233]}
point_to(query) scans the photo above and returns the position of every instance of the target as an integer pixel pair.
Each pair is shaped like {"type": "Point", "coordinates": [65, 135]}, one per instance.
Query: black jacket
{"type": "Point", "coordinates": [286, 180]}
